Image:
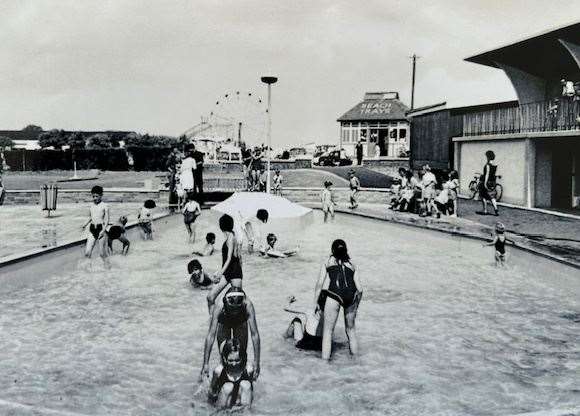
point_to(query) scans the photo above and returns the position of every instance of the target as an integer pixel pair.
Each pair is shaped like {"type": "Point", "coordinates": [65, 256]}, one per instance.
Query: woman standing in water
{"type": "Point", "coordinates": [344, 290]}
{"type": "Point", "coordinates": [231, 271]}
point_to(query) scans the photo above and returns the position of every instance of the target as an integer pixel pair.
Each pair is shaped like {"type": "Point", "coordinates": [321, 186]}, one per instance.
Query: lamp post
{"type": "Point", "coordinates": [269, 81]}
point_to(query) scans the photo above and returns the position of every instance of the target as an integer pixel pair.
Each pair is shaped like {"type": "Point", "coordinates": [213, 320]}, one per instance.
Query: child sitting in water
{"type": "Point", "coordinates": [231, 382]}
{"type": "Point", "coordinates": [117, 232]}
{"type": "Point", "coordinates": [270, 251]}
{"type": "Point", "coordinates": [499, 241]}
{"type": "Point", "coordinates": [327, 200]}
{"type": "Point", "coordinates": [306, 327]}
{"type": "Point", "coordinates": [191, 210]}
{"type": "Point", "coordinates": [144, 216]}
{"type": "Point", "coordinates": [197, 277]}
{"type": "Point", "coordinates": [209, 247]}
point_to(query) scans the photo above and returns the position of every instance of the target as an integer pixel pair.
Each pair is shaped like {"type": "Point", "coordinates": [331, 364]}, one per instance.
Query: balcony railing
{"type": "Point", "coordinates": [560, 115]}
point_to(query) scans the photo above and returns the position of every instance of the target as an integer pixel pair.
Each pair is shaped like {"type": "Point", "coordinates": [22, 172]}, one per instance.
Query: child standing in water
{"type": "Point", "coordinates": [327, 201]}
{"type": "Point", "coordinates": [144, 216]}
{"type": "Point", "coordinates": [354, 188]}
{"type": "Point", "coordinates": [98, 219]}
{"type": "Point", "coordinates": [191, 211]}
{"type": "Point", "coordinates": [499, 241]}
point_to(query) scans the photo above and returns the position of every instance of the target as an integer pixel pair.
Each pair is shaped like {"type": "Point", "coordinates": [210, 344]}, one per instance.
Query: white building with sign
{"type": "Point", "coordinates": [380, 123]}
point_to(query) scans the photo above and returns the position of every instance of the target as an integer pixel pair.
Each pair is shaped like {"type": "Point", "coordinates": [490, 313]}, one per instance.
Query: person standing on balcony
{"type": "Point", "coordinates": [198, 174]}
{"type": "Point", "coordinates": [359, 152]}
{"type": "Point", "coordinates": [487, 184]}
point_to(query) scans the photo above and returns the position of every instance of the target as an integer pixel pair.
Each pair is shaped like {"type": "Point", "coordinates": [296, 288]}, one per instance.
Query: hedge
{"type": "Point", "coordinates": [144, 158]}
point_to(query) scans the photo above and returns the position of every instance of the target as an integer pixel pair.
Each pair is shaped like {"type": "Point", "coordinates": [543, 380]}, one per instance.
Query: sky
{"type": "Point", "coordinates": [159, 66]}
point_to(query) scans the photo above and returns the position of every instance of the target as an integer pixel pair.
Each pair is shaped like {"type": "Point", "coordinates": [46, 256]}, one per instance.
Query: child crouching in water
{"type": "Point", "coordinates": [198, 277]}
{"type": "Point", "coordinates": [327, 200]}
{"type": "Point", "coordinates": [270, 251]}
{"type": "Point", "coordinates": [144, 216]}
{"type": "Point", "coordinates": [231, 382]}
{"type": "Point", "coordinates": [499, 241]}
{"type": "Point", "coordinates": [209, 246]}
{"type": "Point", "coordinates": [117, 232]}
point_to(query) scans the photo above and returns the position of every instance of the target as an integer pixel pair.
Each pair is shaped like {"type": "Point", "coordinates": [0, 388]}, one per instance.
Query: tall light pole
{"type": "Point", "coordinates": [269, 81]}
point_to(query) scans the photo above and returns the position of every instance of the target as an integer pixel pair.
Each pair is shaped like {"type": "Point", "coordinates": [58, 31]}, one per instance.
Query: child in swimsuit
{"type": "Point", "coordinates": [144, 216]}
{"type": "Point", "coordinates": [253, 228]}
{"type": "Point", "coordinates": [198, 277]}
{"type": "Point", "coordinates": [98, 218]}
{"type": "Point", "coordinates": [231, 383]}
{"type": "Point", "coordinates": [209, 247]}
{"type": "Point", "coordinates": [117, 232]}
{"type": "Point", "coordinates": [231, 270]}
{"type": "Point", "coordinates": [354, 184]}
{"type": "Point", "coordinates": [327, 200]}
{"type": "Point", "coordinates": [499, 241]}
{"type": "Point", "coordinates": [270, 251]}
{"type": "Point", "coordinates": [306, 327]}
{"type": "Point", "coordinates": [191, 211]}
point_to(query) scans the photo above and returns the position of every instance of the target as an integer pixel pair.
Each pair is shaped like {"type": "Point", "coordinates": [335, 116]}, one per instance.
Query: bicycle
{"type": "Point", "coordinates": [475, 184]}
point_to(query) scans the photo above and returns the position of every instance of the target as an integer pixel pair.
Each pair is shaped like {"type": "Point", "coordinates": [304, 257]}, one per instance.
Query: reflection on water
{"type": "Point", "coordinates": [442, 331]}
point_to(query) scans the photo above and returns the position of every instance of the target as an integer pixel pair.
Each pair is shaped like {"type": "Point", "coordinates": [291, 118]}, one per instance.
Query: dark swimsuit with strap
{"type": "Point", "coordinates": [342, 287]}
{"type": "Point", "coordinates": [224, 378]}
{"type": "Point", "coordinates": [500, 246]}
{"type": "Point", "coordinates": [234, 270]}
{"type": "Point", "coordinates": [233, 326]}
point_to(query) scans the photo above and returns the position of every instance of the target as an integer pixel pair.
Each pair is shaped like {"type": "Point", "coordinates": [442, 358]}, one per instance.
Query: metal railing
{"type": "Point", "coordinates": [555, 115]}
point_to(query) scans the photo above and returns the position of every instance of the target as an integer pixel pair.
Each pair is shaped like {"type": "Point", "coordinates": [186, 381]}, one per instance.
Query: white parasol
{"type": "Point", "coordinates": [247, 204]}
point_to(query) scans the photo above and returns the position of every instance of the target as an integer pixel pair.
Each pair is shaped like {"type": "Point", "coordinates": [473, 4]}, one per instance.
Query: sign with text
{"type": "Point", "coordinates": [380, 107]}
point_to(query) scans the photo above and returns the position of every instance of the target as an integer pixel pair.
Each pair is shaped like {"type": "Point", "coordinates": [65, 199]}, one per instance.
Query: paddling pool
{"type": "Point", "coordinates": [441, 330]}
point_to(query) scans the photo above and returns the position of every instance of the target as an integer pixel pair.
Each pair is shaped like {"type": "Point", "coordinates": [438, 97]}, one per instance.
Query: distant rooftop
{"type": "Point", "coordinates": [543, 54]}
{"type": "Point", "coordinates": [377, 106]}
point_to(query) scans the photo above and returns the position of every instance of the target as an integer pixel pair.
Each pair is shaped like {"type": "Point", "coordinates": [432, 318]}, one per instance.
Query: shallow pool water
{"type": "Point", "coordinates": [441, 330]}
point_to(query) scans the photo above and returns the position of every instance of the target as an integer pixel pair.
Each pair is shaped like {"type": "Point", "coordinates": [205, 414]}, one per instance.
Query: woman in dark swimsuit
{"type": "Point", "coordinates": [231, 271]}
{"type": "Point", "coordinates": [344, 290]}
{"type": "Point", "coordinates": [487, 188]}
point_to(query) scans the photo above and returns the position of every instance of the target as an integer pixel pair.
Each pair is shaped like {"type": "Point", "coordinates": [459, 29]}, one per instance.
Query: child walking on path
{"type": "Point", "coordinates": [354, 188]}
{"type": "Point", "coordinates": [98, 219]}
{"type": "Point", "coordinates": [191, 211]}
{"type": "Point", "coordinates": [327, 200]}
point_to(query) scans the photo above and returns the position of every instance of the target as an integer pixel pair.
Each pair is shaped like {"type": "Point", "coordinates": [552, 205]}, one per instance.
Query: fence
{"type": "Point", "coordinates": [560, 115]}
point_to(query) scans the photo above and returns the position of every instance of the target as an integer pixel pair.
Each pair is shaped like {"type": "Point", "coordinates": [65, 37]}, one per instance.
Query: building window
{"type": "Point", "coordinates": [402, 133]}
{"type": "Point", "coordinates": [393, 134]}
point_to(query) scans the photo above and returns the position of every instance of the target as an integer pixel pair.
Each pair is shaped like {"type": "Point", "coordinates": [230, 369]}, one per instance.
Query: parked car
{"type": "Point", "coordinates": [318, 154]}
{"type": "Point", "coordinates": [333, 158]}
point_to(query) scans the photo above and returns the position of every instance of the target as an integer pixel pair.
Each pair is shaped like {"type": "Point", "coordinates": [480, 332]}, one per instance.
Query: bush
{"type": "Point", "coordinates": [149, 158]}
{"type": "Point", "coordinates": [5, 142]}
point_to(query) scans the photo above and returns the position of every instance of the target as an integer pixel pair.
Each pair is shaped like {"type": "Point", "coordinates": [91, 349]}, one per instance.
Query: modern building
{"type": "Point", "coordinates": [379, 119]}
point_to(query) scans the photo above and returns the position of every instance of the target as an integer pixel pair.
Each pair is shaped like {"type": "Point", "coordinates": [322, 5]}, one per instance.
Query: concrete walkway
{"type": "Point", "coordinates": [543, 234]}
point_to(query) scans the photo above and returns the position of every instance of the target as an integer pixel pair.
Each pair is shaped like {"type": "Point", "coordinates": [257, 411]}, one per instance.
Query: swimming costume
{"type": "Point", "coordinates": [225, 378]}
{"type": "Point", "coordinates": [342, 287]}
{"type": "Point", "coordinates": [189, 217]}
{"type": "Point", "coordinates": [234, 270]}
{"type": "Point", "coordinates": [115, 231]}
{"type": "Point", "coordinates": [206, 281]}
{"type": "Point", "coordinates": [96, 230]}
{"type": "Point", "coordinates": [500, 246]}
{"type": "Point", "coordinates": [233, 326]}
{"type": "Point", "coordinates": [309, 343]}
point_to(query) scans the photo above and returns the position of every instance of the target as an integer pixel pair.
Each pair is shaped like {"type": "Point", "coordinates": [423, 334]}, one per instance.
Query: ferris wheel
{"type": "Point", "coordinates": [236, 116]}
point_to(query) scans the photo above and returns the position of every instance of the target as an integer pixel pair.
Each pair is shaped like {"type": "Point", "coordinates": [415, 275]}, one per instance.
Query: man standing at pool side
{"type": "Point", "coordinates": [98, 220]}
{"type": "Point", "coordinates": [198, 174]}
{"type": "Point", "coordinates": [232, 320]}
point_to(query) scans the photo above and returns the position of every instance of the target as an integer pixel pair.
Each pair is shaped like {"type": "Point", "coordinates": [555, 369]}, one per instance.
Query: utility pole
{"type": "Point", "coordinates": [269, 81]}
{"type": "Point", "coordinates": [239, 133]}
{"type": "Point", "coordinates": [414, 58]}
